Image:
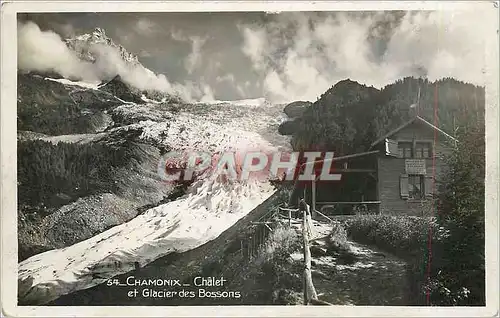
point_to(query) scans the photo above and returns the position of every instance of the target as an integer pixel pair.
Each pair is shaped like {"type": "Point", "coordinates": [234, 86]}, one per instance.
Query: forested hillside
{"type": "Point", "coordinates": [350, 116]}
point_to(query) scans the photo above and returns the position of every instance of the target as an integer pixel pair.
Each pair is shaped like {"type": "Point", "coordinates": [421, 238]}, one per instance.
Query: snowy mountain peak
{"type": "Point", "coordinates": [88, 46]}
{"type": "Point", "coordinates": [99, 33]}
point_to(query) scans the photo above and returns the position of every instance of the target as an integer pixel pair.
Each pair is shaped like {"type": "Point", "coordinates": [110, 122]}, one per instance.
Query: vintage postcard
{"type": "Point", "coordinates": [249, 158]}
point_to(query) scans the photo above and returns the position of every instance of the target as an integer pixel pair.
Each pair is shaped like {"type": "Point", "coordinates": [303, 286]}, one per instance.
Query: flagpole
{"type": "Point", "coordinates": [418, 100]}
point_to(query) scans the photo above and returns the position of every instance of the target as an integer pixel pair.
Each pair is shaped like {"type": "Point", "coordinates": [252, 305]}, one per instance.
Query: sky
{"type": "Point", "coordinates": [283, 56]}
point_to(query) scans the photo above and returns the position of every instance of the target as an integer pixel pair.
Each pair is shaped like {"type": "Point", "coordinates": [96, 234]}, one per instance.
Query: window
{"type": "Point", "coordinates": [423, 150]}
{"type": "Point", "coordinates": [415, 186]}
{"type": "Point", "coordinates": [405, 149]}
{"type": "Point", "coordinates": [420, 151]}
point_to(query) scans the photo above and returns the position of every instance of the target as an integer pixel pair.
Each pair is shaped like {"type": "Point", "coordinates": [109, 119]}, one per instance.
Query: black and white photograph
{"type": "Point", "coordinates": [263, 157]}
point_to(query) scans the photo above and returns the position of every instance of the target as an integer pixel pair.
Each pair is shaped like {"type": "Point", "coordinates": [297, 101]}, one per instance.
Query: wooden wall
{"type": "Point", "coordinates": [390, 168]}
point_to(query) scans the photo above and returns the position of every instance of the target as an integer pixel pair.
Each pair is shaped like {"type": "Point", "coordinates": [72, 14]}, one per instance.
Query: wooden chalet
{"type": "Point", "coordinates": [409, 163]}
{"type": "Point", "coordinates": [397, 175]}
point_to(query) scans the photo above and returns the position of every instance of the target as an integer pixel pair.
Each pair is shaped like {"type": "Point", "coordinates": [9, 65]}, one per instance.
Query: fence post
{"type": "Point", "coordinates": [306, 296]}
{"type": "Point", "coordinates": [289, 218]}
{"type": "Point", "coordinates": [313, 198]}
{"type": "Point", "coordinates": [250, 249]}
{"type": "Point", "coordinates": [308, 218]}
{"type": "Point", "coordinates": [309, 291]}
{"type": "Point", "coordinates": [253, 245]}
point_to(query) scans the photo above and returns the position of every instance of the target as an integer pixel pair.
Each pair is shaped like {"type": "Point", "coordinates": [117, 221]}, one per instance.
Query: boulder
{"type": "Point", "coordinates": [296, 109]}
{"type": "Point", "coordinates": [288, 128]}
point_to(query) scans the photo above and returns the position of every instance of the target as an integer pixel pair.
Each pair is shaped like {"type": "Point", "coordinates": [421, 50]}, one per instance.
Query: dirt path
{"type": "Point", "coordinates": [375, 278]}
{"type": "Point", "coordinates": [367, 276]}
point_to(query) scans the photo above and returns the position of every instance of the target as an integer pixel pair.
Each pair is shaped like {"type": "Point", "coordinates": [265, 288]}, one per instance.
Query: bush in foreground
{"type": "Point", "coordinates": [404, 236]}
{"type": "Point", "coordinates": [269, 277]}
{"type": "Point", "coordinates": [273, 267]}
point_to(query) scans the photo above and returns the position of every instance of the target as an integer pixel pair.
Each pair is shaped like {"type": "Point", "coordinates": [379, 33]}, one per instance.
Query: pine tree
{"type": "Point", "coordinates": [458, 265]}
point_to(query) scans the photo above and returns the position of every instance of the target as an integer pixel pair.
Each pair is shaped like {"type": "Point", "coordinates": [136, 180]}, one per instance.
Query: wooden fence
{"type": "Point", "coordinates": [259, 231]}
{"type": "Point", "coordinates": [310, 295]}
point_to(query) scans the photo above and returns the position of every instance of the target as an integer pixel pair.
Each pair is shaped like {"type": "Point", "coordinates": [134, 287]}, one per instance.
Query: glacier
{"type": "Point", "coordinates": [208, 208]}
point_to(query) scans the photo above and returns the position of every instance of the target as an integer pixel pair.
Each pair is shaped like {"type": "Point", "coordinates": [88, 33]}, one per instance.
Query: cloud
{"type": "Point", "coordinates": [45, 51]}
{"type": "Point", "coordinates": [255, 45]}
{"type": "Point", "coordinates": [193, 60]}
{"type": "Point", "coordinates": [228, 77]}
{"type": "Point", "coordinates": [445, 43]}
{"type": "Point", "coordinates": [144, 53]}
{"type": "Point", "coordinates": [67, 30]}
{"type": "Point", "coordinates": [178, 35]}
{"type": "Point", "coordinates": [241, 91]}
{"type": "Point", "coordinates": [201, 90]}
{"type": "Point", "coordinates": [284, 56]}
{"type": "Point", "coordinates": [145, 27]}
{"type": "Point", "coordinates": [301, 55]}
{"type": "Point", "coordinates": [208, 94]}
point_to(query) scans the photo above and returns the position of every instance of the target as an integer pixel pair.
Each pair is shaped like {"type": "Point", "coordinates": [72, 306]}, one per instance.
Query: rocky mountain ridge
{"type": "Point", "coordinates": [85, 46]}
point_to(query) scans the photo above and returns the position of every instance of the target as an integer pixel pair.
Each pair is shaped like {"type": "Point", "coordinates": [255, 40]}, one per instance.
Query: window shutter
{"type": "Point", "coordinates": [391, 148]}
{"type": "Point", "coordinates": [429, 186]}
{"type": "Point", "coordinates": [403, 186]}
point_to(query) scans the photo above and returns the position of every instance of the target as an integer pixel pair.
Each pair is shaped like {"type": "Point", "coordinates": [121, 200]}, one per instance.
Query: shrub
{"type": "Point", "coordinates": [268, 277]}
{"type": "Point", "coordinates": [405, 236]}
{"type": "Point", "coordinates": [337, 240]}
{"type": "Point", "coordinates": [272, 261]}
{"type": "Point", "coordinates": [280, 243]}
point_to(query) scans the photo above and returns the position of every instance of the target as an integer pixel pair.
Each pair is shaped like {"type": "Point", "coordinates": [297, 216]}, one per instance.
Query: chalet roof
{"type": "Point", "coordinates": [416, 118]}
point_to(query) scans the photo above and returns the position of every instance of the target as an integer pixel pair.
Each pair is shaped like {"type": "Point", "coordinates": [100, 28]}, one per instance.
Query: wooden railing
{"type": "Point", "coordinates": [310, 295]}
{"type": "Point", "coordinates": [289, 213]}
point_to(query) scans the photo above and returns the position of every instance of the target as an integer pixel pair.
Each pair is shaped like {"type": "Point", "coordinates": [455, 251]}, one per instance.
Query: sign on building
{"type": "Point", "coordinates": [415, 166]}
